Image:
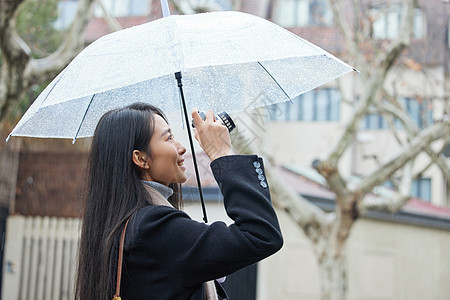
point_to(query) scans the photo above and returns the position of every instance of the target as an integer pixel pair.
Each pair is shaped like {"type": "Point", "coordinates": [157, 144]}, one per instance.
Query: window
{"type": "Point", "coordinates": [447, 151]}
{"type": "Point", "coordinates": [318, 105]}
{"type": "Point", "coordinates": [66, 14]}
{"type": "Point", "coordinates": [225, 4]}
{"type": "Point", "coordinates": [303, 13]}
{"type": "Point", "coordinates": [67, 10]}
{"type": "Point", "coordinates": [421, 188]}
{"type": "Point", "coordinates": [374, 121]}
{"type": "Point", "coordinates": [124, 8]}
{"type": "Point", "coordinates": [448, 34]}
{"type": "Point", "coordinates": [387, 22]}
{"type": "Point", "coordinates": [448, 194]}
{"type": "Point", "coordinates": [418, 24]}
{"type": "Point", "coordinates": [419, 110]}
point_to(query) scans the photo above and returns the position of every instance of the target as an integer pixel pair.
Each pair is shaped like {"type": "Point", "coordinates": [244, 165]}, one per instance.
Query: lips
{"type": "Point", "coordinates": [181, 163]}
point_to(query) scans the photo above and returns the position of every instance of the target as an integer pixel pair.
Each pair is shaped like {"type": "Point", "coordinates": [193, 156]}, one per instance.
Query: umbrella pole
{"type": "Point", "coordinates": [180, 86]}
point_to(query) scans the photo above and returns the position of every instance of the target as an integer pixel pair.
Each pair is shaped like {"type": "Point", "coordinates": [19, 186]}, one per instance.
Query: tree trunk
{"type": "Point", "coordinates": [331, 249]}
{"type": "Point", "coordinates": [333, 276]}
{"type": "Point", "coordinates": [13, 82]}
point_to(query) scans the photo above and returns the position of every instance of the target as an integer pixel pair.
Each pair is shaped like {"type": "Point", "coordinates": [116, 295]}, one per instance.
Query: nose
{"type": "Point", "coordinates": [181, 149]}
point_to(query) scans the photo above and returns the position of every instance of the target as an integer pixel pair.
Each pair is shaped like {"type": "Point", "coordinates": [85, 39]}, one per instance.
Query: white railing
{"type": "Point", "coordinates": [40, 258]}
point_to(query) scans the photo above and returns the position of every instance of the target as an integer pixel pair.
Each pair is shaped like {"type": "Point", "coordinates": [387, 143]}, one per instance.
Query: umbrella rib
{"type": "Point", "coordinates": [275, 82]}
{"type": "Point", "coordinates": [84, 116]}
{"type": "Point", "coordinates": [46, 96]}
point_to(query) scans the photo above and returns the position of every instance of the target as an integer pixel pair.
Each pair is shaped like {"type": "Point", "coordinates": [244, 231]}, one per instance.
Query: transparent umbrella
{"type": "Point", "coordinates": [226, 61]}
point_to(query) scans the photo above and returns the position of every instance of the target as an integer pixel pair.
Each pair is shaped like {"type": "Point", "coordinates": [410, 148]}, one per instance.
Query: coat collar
{"type": "Point", "coordinates": [165, 191]}
{"type": "Point", "coordinates": [156, 197]}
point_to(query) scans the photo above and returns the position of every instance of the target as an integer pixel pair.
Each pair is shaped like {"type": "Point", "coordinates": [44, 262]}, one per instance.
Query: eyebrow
{"type": "Point", "coordinates": [166, 131]}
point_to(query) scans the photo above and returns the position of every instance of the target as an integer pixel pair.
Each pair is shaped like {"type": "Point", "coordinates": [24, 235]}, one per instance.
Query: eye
{"type": "Point", "coordinates": [170, 137]}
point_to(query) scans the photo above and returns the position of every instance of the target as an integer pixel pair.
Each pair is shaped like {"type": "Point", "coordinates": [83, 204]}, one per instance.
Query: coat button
{"type": "Point", "coordinates": [261, 177]}
{"type": "Point", "coordinates": [263, 184]}
{"type": "Point", "coordinates": [256, 164]}
{"type": "Point", "coordinates": [259, 171]}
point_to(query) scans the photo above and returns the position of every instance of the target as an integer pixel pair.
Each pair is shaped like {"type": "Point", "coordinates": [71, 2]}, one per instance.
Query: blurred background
{"type": "Point", "coordinates": [359, 169]}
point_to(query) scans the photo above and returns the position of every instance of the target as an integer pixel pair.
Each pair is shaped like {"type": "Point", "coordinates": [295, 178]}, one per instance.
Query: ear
{"type": "Point", "coordinates": [140, 159]}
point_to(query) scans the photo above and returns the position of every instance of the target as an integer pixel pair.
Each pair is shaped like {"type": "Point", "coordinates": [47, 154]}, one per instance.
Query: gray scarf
{"type": "Point", "coordinates": [156, 192]}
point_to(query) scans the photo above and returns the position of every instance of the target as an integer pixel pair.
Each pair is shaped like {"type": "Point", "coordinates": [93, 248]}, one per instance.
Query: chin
{"type": "Point", "coordinates": [180, 179]}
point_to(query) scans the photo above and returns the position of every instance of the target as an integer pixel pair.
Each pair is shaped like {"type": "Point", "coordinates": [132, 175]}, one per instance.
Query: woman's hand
{"type": "Point", "coordinates": [212, 135]}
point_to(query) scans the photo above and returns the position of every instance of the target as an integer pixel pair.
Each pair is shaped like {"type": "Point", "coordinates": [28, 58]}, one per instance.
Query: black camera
{"type": "Point", "coordinates": [223, 116]}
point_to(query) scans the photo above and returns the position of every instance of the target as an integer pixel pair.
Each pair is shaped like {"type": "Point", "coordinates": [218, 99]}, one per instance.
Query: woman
{"type": "Point", "coordinates": [135, 172]}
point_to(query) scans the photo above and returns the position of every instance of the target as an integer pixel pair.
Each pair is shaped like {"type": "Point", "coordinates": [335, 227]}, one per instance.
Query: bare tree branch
{"type": "Point", "coordinates": [12, 45]}
{"type": "Point", "coordinates": [183, 7]}
{"type": "Point", "coordinates": [188, 7]}
{"type": "Point", "coordinates": [333, 177]}
{"type": "Point", "coordinates": [438, 159]}
{"type": "Point", "coordinates": [426, 137]}
{"type": "Point", "coordinates": [346, 31]}
{"type": "Point", "coordinates": [412, 129]}
{"type": "Point", "coordinates": [302, 212]}
{"type": "Point", "coordinates": [19, 69]}
{"type": "Point", "coordinates": [237, 5]}
{"type": "Point", "coordinates": [390, 200]}
{"type": "Point", "coordinates": [389, 120]}
{"type": "Point", "coordinates": [405, 35]}
{"type": "Point", "coordinates": [375, 83]}
{"type": "Point", "coordinates": [112, 22]}
{"type": "Point", "coordinates": [352, 126]}
{"type": "Point", "coordinates": [45, 68]}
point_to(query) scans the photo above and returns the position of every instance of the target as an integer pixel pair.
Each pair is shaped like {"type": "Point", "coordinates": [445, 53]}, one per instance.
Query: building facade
{"type": "Point", "coordinates": [419, 80]}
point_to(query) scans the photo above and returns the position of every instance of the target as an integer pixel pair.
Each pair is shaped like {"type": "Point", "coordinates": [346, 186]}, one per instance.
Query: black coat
{"type": "Point", "coordinates": [167, 255]}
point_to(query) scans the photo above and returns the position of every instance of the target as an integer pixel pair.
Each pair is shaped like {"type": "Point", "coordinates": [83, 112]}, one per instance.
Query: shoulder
{"type": "Point", "coordinates": [152, 219]}
{"type": "Point", "coordinates": [151, 226]}
{"type": "Point", "coordinates": [156, 213]}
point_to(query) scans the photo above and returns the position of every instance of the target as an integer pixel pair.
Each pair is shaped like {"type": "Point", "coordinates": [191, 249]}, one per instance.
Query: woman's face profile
{"type": "Point", "coordinates": [166, 164]}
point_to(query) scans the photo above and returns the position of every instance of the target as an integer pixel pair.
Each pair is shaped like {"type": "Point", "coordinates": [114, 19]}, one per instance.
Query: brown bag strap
{"type": "Point", "coordinates": [119, 263]}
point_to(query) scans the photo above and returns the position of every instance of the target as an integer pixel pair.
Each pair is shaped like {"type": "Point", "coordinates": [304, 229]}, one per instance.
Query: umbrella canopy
{"type": "Point", "coordinates": [230, 61]}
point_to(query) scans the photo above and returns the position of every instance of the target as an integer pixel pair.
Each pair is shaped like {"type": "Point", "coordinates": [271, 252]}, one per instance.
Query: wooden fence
{"type": "Point", "coordinates": [40, 258]}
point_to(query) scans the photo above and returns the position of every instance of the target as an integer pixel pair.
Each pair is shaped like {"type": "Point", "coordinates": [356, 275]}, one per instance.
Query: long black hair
{"type": "Point", "coordinates": [114, 192]}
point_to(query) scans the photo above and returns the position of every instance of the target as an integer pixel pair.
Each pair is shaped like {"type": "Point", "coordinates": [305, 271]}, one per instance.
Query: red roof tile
{"type": "Point", "coordinates": [97, 27]}
{"type": "Point", "coordinates": [420, 207]}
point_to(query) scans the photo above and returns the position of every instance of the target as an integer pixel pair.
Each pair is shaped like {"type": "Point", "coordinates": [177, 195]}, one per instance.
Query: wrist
{"type": "Point", "coordinates": [219, 155]}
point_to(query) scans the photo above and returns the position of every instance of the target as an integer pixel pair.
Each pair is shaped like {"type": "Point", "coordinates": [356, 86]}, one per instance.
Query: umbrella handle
{"type": "Point", "coordinates": [199, 184]}
{"type": "Point", "coordinates": [165, 8]}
